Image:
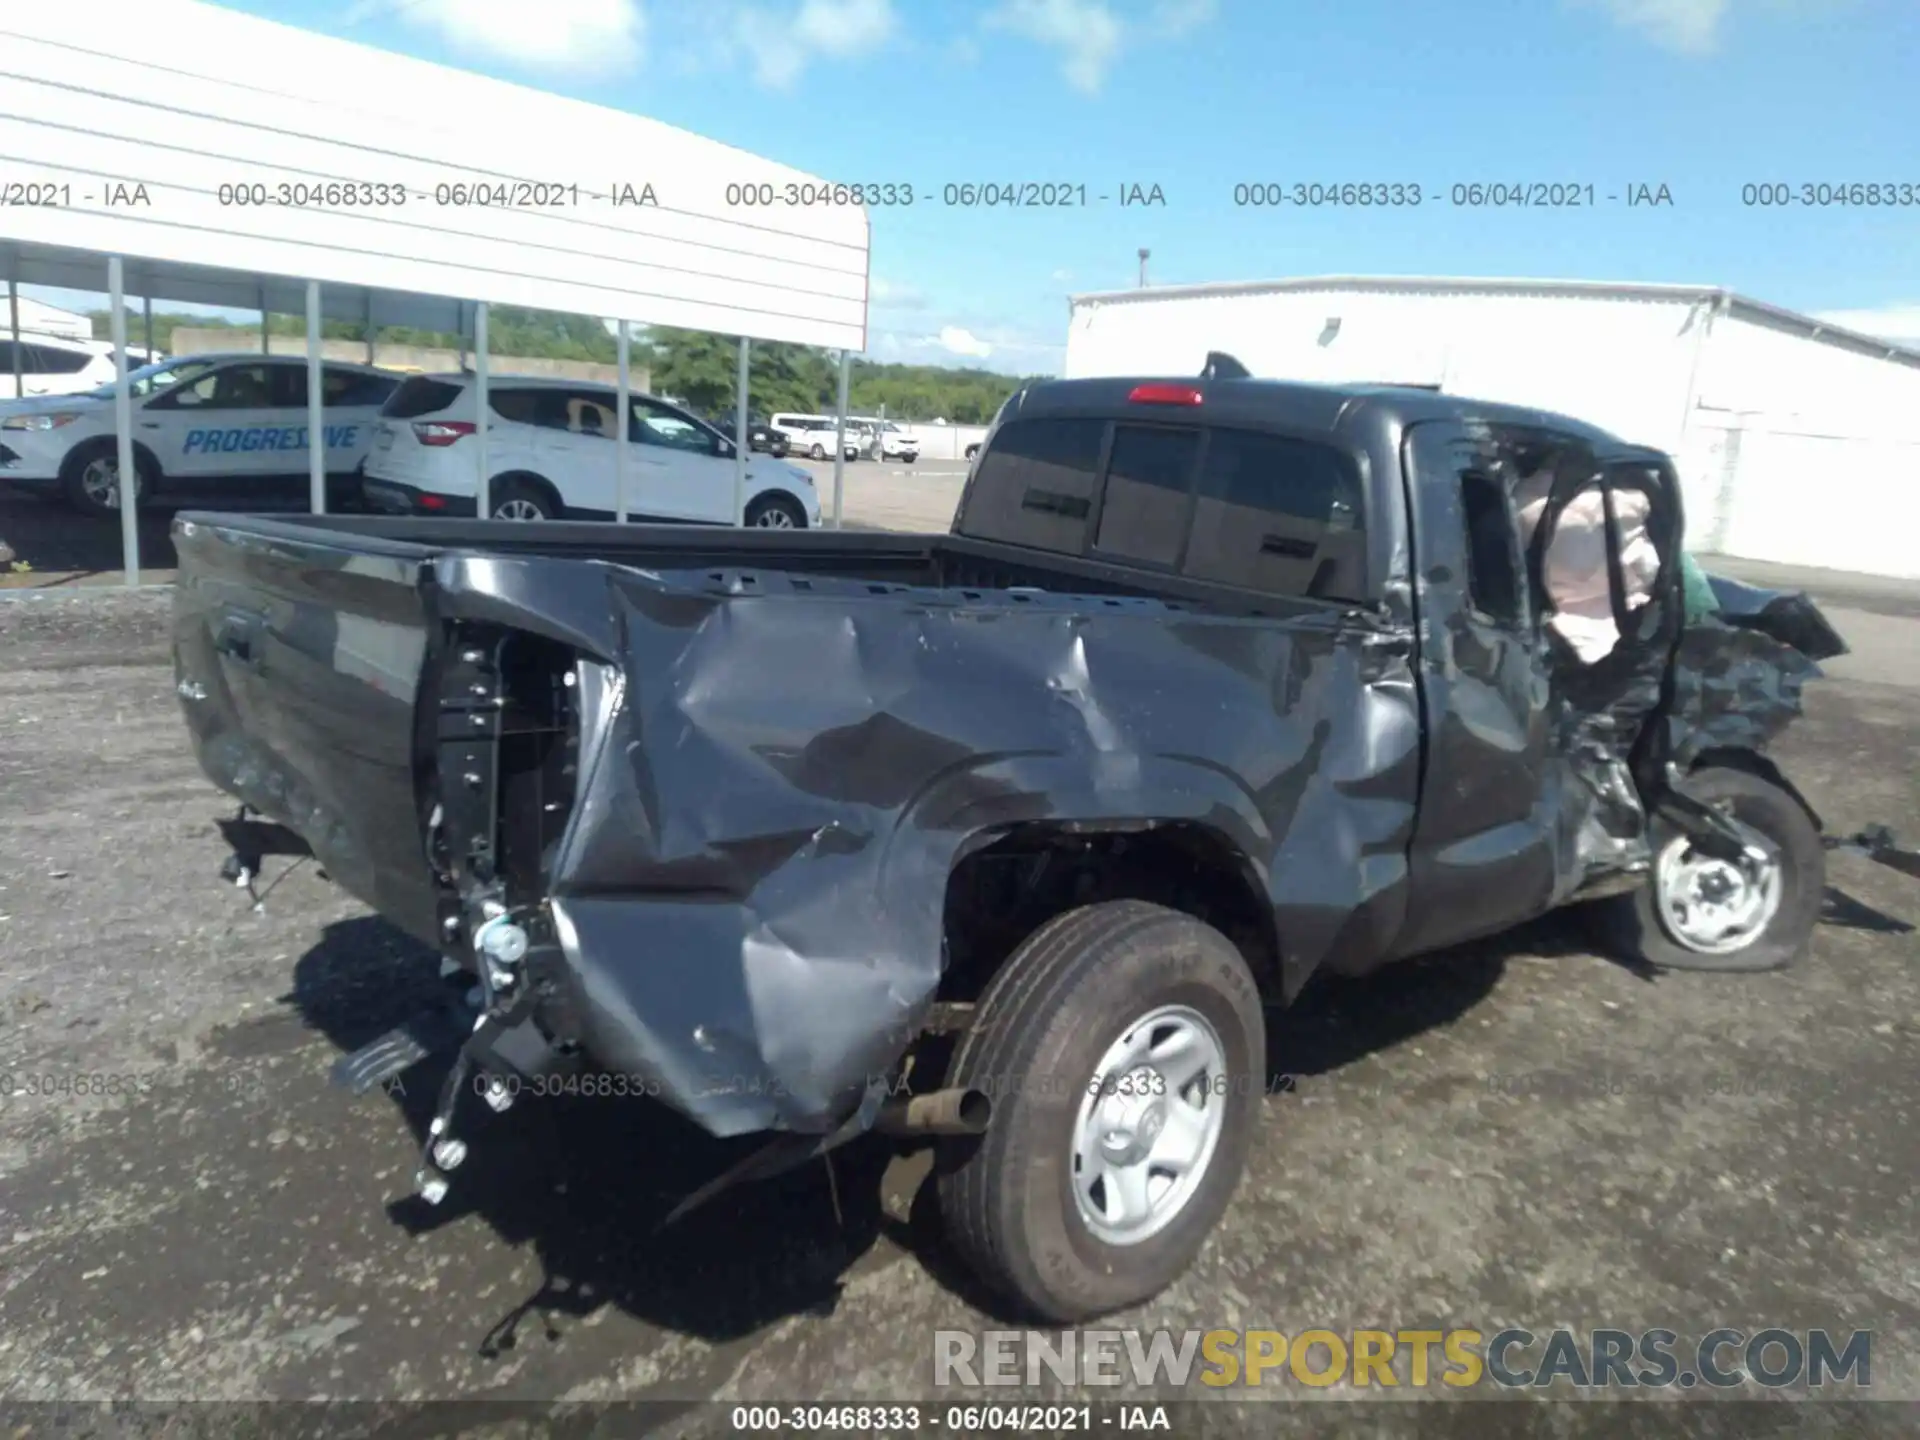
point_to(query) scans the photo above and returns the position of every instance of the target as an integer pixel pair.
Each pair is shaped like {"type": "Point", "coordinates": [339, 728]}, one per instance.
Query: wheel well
{"type": "Point", "coordinates": [142, 455]}
{"type": "Point", "coordinates": [767, 497]}
{"type": "Point", "coordinates": [532, 482]}
{"type": "Point", "coordinates": [1760, 767]}
{"type": "Point", "coordinates": [1003, 892]}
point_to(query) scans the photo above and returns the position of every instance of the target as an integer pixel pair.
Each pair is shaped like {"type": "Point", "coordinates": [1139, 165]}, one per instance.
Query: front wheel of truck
{"type": "Point", "coordinates": [1699, 912]}
{"type": "Point", "coordinates": [1124, 1048]}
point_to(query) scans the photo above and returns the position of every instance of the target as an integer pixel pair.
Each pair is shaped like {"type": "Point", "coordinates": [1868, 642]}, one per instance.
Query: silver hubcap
{"type": "Point", "coordinates": [1712, 906]}
{"type": "Point", "coordinates": [101, 482]}
{"type": "Point", "coordinates": [1149, 1126]}
{"type": "Point", "coordinates": [773, 518]}
{"type": "Point", "coordinates": [518, 510]}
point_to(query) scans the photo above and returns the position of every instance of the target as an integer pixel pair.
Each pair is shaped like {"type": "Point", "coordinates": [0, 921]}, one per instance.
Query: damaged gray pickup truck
{"type": "Point", "coordinates": [1004, 839]}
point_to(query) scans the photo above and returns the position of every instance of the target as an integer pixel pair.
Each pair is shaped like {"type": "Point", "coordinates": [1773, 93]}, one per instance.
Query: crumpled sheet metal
{"type": "Point", "coordinates": [1735, 688]}
{"type": "Point", "coordinates": [775, 791]}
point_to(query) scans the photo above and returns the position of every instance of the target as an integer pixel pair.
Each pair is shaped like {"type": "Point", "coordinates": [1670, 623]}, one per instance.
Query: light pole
{"type": "Point", "coordinates": [1143, 268]}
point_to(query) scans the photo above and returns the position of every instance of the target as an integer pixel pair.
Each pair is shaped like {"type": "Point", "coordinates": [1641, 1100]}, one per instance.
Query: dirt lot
{"type": "Point", "coordinates": [226, 1227]}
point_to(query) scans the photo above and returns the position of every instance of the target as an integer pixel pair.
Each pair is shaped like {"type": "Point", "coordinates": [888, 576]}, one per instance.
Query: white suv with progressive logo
{"type": "Point", "coordinates": [216, 430]}
{"type": "Point", "coordinates": [550, 456]}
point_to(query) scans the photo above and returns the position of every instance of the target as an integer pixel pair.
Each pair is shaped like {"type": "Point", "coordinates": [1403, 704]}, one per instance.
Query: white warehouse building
{"type": "Point", "coordinates": [1795, 439]}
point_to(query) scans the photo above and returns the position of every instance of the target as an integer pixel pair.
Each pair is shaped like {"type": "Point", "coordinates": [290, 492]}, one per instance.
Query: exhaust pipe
{"type": "Point", "coordinates": [941, 1112]}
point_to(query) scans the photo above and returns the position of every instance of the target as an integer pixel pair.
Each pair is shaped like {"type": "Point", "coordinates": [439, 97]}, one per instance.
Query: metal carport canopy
{"type": "Point", "coordinates": [171, 168]}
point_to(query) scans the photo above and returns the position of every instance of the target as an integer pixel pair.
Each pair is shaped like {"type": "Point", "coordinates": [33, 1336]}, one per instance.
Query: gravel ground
{"type": "Point", "coordinates": [220, 1225]}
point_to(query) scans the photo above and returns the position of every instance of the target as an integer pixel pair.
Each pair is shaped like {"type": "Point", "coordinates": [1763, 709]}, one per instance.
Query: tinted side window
{"type": "Point", "coordinates": [1035, 485]}
{"type": "Point", "coordinates": [1278, 515]}
{"type": "Point", "coordinates": [1143, 513]}
{"type": "Point", "coordinates": [420, 396]}
{"type": "Point", "coordinates": [57, 360]}
{"type": "Point", "coordinates": [351, 387]}
{"type": "Point", "coordinates": [287, 384]}
{"type": "Point", "coordinates": [1493, 546]}
{"type": "Point", "coordinates": [523, 407]}
{"type": "Point", "coordinates": [6, 357]}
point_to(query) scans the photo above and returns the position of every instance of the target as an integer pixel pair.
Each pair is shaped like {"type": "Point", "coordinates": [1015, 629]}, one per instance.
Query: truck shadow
{"type": "Point", "coordinates": [585, 1181]}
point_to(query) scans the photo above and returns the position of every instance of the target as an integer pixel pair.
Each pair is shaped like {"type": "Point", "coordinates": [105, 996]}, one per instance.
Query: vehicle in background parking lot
{"type": "Point", "coordinates": [220, 430]}
{"type": "Point", "coordinates": [760, 435]}
{"type": "Point", "coordinates": [551, 456]}
{"type": "Point", "coordinates": [812, 435]}
{"type": "Point", "coordinates": [896, 443]}
{"type": "Point", "coordinates": [50, 366]}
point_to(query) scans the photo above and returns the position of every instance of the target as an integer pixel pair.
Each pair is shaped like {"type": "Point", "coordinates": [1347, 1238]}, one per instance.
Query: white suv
{"type": "Point", "coordinates": [812, 435]}
{"type": "Point", "coordinates": [896, 443]}
{"type": "Point", "coordinates": [50, 366]}
{"type": "Point", "coordinates": [550, 456]}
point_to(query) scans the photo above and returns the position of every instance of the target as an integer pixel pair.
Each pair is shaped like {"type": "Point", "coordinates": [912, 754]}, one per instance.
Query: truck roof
{"type": "Point", "coordinates": [1294, 404]}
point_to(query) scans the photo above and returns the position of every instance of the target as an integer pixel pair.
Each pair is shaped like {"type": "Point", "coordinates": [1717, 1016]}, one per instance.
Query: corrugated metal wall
{"type": "Point", "coordinates": [1793, 452]}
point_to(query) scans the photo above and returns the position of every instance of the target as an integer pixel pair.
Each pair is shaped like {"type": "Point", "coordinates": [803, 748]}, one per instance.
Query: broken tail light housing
{"type": "Point", "coordinates": [1164, 395]}
{"type": "Point", "coordinates": [441, 432]}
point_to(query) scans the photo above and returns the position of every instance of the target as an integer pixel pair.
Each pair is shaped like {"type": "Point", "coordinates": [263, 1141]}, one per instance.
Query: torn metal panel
{"type": "Point", "coordinates": [775, 790]}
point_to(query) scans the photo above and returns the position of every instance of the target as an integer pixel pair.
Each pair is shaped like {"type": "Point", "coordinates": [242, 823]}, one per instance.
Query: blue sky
{"type": "Point", "coordinates": [1198, 95]}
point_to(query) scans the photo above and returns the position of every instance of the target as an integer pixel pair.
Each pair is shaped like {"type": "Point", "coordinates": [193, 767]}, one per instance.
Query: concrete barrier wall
{"type": "Point", "coordinates": [400, 357]}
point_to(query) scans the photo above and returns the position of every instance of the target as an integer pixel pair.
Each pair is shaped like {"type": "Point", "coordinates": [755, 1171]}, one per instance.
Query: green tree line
{"type": "Point", "coordinates": [696, 367]}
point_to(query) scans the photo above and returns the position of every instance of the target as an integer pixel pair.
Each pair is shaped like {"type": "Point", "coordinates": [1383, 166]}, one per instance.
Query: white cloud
{"type": "Point", "coordinates": [578, 36]}
{"type": "Point", "coordinates": [1691, 26]}
{"type": "Point", "coordinates": [783, 45]}
{"type": "Point", "coordinates": [894, 296]}
{"type": "Point", "coordinates": [956, 341]}
{"type": "Point", "coordinates": [1086, 32]}
{"type": "Point", "coordinates": [1091, 34]}
{"type": "Point", "coordinates": [1177, 17]}
{"type": "Point", "coordinates": [1062, 277]}
{"type": "Point", "coordinates": [1897, 323]}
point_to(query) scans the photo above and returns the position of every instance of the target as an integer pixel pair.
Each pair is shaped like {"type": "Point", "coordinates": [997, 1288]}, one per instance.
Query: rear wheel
{"type": "Point", "coordinates": [776, 512]}
{"type": "Point", "coordinates": [1699, 912]}
{"type": "Point", "coordinates": [522, 497]}
{"type": "Point", "coordinates": [90, 478]}
{"type": "Point", "coordinates": [818, 452]}
{"type": "Point", "coordinates": [1124, 1047]}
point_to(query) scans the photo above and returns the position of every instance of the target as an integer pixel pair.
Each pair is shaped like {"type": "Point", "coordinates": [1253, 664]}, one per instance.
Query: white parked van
{"type": "Point", "coordinates": [812, 435]}
{"type": "Point", "coordinates": [551, 456]}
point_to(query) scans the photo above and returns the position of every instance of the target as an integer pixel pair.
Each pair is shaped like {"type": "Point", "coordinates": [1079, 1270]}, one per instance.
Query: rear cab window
{"type": "Point", "coordinates": [1223, 504]}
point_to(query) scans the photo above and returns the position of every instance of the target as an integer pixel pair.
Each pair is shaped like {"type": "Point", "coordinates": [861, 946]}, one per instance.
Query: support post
{"type": "Point", "coordinates": [123, 422]}
{"type": "Point", "coordinates": [483, 506]}
{"type": "Point", "coordinates": [741, 444]}
{"type": "Point", "coordinates": [13, 324]}
{"type": "Point", "coordinates": [261, 292]}
{"type": "Point", "coordinates": [840, 436]}
{"type": "Point", "coordinates": [316, 398]}
{"type": "Point", "coordinates": [623, 434]}
{"type": "Point", "coordinates": [146, 315]}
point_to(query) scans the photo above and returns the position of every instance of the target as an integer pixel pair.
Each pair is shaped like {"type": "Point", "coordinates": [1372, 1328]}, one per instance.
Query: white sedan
{"type": "Point", "coordinates": [223, 430]}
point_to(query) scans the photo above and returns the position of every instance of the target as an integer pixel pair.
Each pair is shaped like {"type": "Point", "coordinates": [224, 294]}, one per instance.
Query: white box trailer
{"type": "Point", "coordinates": [1793, 437]}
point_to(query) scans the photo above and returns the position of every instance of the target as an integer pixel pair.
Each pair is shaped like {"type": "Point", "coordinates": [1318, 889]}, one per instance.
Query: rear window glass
{"type": "Point", "coordinates": [1143, 515]}
{"type": "Point", "coordinates": [1034, 486]}
{"type": "Point", "coordinates": [1278, 515]}
{"type": "Point", "coordinates": [419, 396]}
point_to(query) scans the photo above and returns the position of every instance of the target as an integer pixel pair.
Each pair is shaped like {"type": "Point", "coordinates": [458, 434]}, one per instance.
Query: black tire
{"type": "Point", "coordinates": [972, 450]}
{"type": "Point", "coordinates": [1069, 991]}
{"type": "Point", "coordinates": [762, 511]}
{"type": "Point", "coordinates": [523, 494]}
{"type": "Point", "coordinates": [1632, 927]}
{"type": "Point", "coordinates": [818, 452]}
{"type": "Point", "coordinates": [78, 471]}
